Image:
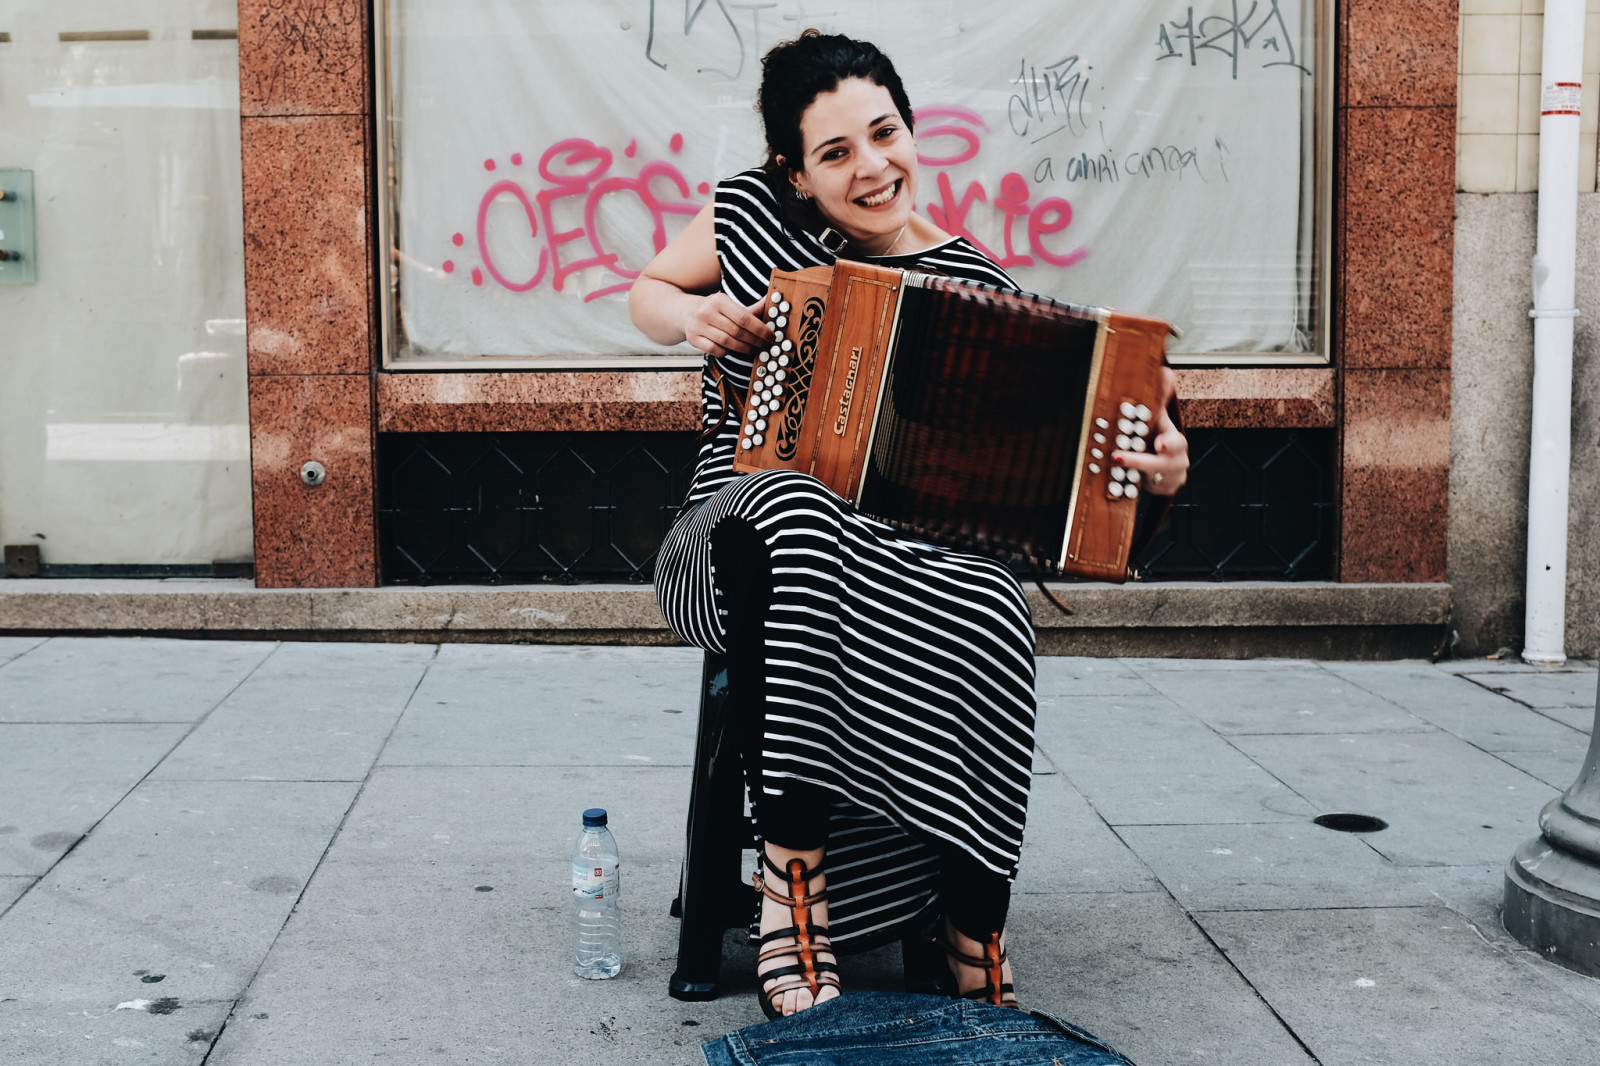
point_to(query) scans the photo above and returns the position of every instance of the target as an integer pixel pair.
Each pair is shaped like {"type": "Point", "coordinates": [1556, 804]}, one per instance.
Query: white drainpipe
{"type": "Point", "coordinates": [1554, 284]}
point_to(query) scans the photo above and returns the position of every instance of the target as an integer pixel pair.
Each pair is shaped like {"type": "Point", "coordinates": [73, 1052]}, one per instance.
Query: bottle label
{"type": "Point", "coordinates": [597, 882]}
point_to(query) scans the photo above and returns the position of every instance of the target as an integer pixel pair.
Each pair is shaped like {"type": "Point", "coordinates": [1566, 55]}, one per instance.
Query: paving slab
{"type": "Point", "coordinates": [1558, 769]}
{"type": "Point", "coordinates": [1270, 698]}
{"type": "Point", "coordinates": [1069, 848]}
{"type": "Point", "coordinates": [131, 679]}
{"type": "Point", "coordinates": [11, 647]}
{"type": "Point", "coordinates": [1135, 971]}
{"type": "Point", "coordinates": [1458, 705]}
{"type": "Point", "coordinates": [12, 886]}
{"type": "Point", "coordinates": [1446, 802]}
{"type": "Point", "coordinates": [552, 705]}
{"type": "Point", "coordinates": [1477, 893]}
{"type": "Point", "coordinates": [310, 712]}
{"type": "Point", "coordinates": [1144, 761]}
{"type": "Point", "coordinates": [445, 910]}
{"type": "Point", "coordinates": [1270, 866]}
{"type": "Point", "coordinates": [1564, 688]}
{"type": "Point", "coordinates": [58, 780]}
{"type": "Point", "coordinates": [1078, 676]}
{"type": "Point", "coordinates": [189, 880]}
{"type": "Point", "coordinates": [1377, 986]}
{"type": "Point", "coordinates": [145, 1028]}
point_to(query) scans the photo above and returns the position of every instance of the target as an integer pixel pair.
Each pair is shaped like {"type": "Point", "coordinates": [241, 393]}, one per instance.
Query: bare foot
{"type": "Point", "coordinates": [775, 916]}
{"type": "Point", "coordinates": [973, 978]}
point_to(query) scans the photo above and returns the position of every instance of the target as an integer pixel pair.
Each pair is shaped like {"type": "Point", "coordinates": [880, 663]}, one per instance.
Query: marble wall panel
{"type": "Point", "coordinates": [1258, 398]}
{"type": "Point", "coordinates": [308, 263]}
{"type": "Point", "coordinates": [304, 58]}
{"type": "Point", "coordinates": [323, 536]}
{"type": "Point", "coordinates": [1396, 474]}
{"type": "Point", "coordinates": [511, 402]}
{"type": "Point", "coordinates": [1399, 54]}
{"type": "Point", "coordinates": [1397, 238]}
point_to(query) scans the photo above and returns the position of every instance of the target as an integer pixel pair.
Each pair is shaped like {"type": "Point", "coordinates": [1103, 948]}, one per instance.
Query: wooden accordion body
{"type": "Point", "coordinates": [971, 416]}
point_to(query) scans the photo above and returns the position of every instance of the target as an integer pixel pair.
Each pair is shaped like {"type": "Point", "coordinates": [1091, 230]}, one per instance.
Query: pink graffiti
{"type": "Point", "coordinates": [1050, 215]}
{"type": "Point", "coordinates": [578, 168]}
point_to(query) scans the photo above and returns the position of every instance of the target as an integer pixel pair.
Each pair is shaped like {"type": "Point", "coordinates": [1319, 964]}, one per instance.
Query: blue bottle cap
{"type": "Point", "coordinates": [594, 816]}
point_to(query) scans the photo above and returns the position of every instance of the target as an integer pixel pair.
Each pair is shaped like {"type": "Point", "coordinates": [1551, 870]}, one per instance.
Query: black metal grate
{"type": "Point", "coordinates": [527, 507]}
{"type": "Point", "coordinates": [1259, 504]}
{"type": "Point", "coordinates": [531, 507]}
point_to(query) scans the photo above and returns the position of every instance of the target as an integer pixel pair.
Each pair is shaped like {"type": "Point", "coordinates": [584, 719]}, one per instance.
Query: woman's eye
{"type": "Point", "coordinates": [837, 153]}
{"type": "Point", "coordinates": [885, 132]}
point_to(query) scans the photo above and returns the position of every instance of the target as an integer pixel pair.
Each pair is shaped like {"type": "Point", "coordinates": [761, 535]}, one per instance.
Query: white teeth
{"type": "Point", "coordinates": [883, 197]}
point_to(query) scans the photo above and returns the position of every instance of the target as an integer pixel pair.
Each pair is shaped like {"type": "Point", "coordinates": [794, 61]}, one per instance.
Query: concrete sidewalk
{"type": "Point", "coordinates": [280, 853]}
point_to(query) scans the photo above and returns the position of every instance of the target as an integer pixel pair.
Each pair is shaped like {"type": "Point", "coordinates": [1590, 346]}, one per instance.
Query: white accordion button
{"type": "Point", "coordinates": [756, 440]}
{"type": "Point", "coordinates": [1124, 425]}
{"type": "Point", "coordinates": [773, 312]}
{"type": "Point", "coordinates": [1133, 475]}
{"type": "Point", "coordinates": [1116, 472]}
{"type": "Point", "coordinates": [1124, 442]}
{"type": "Point", "coordinates": [1102, 423]}
{"type": "Point", "coordinates": [775, 351]}
{"type": "Point", "coordinates": [1131, 493]}
{"type": "Point", "coordinates": [761, 425]}
{"type": "Point", "coordinates": [783, 360]}
{"type": "Point", "coordinates": [1138, 442]}
{"type": "Point", "coordinates": [784, 307]}
{"type": "Point", "coordinates": [1142, 413]}
{"type": "Point", "coordinates": [783, 320]}
{"type": "Point", "coordinates": [1097, 453]}
{"type": "Point", "coordinates": [1099, 438]}
{"type": "Point", "coordinates": [781, 374]}
{"type": "Point", "coordinates": [1141, 429]}
{"type": "Point", "coordinates": [745, 444]}
{"type": "Point", "coordinates": [1094, 468]}
{"type": "Point", "coordinates": [777, 337]}
{"type": "Point", "coordinates": [777, 390]}
{"type": "Point", "coordinates": [750, 431]}
{"type": "Point", "coordinates": [1127, 409]}
{"type": "Point", "coordinates": [788, 345]}
{"type": "Point", "coordinates": [753, 414]}
{"type": "Point", "coordinates": [1115, 488]}
{"type": "Point", "coordinates": [765, 356]}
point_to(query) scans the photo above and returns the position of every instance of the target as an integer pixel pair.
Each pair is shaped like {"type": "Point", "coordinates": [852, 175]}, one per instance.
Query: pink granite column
{"type": "Point", "coordinates": [306, 133]}
{"type": "Point", "coordinates": [1393, 248]}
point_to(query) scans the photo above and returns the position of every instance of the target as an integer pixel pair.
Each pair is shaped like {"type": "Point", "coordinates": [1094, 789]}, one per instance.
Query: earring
{"type": "Point", "coordinates": [801, 194]}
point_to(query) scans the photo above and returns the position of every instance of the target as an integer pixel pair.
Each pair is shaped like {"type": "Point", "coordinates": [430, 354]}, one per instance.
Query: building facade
{"type": "Point", "coordinates": [200, 331]}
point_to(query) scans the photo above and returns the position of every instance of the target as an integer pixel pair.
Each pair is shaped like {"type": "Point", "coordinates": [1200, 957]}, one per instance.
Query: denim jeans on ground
{"type": "Point", "coordinates": [895, 1029]}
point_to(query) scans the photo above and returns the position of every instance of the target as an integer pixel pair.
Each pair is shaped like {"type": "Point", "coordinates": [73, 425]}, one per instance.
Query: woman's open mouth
{"type": "Point", "coordinates": [882, 196]}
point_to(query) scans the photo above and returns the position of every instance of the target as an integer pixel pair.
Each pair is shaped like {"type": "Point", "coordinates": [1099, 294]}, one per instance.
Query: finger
{"type": "Point", "coordinates": [1169, 386]}
{"type": "Point", "coordinates": [740, 332]}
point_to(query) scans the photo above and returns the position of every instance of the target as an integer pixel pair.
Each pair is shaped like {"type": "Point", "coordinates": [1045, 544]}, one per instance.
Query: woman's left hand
{"type": "Point", "coordinates": [1165, 467]}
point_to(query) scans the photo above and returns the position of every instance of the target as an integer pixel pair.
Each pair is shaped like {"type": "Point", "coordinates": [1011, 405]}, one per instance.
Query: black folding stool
{"type": "Point", "coordinates": [712, 895]}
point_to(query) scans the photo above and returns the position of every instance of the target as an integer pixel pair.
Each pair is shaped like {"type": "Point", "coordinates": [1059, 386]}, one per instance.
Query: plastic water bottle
{"type": "Point", "coordinates": [596, 891]}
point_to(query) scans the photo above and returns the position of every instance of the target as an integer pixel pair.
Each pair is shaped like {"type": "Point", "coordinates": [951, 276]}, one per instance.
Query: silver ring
{"type": "Point", "coordinates": [1156, 478]}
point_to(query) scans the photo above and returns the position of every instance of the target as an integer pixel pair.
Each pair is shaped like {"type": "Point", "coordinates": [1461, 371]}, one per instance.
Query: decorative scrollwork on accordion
{"type": "Point", "coordinates": [805, 358]}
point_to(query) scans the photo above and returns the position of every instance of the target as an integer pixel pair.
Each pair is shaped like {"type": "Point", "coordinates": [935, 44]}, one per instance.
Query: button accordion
{"type": "Point", "coordinates": [971, 416]}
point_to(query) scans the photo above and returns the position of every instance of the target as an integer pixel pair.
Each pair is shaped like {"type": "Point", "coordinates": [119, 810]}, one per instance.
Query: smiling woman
{"type": "Point", "coordinates": [887, 684]}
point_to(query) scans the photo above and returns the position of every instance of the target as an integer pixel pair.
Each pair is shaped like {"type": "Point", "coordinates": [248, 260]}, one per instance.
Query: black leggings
{"type": "Point", "coordinates": [976, 898]}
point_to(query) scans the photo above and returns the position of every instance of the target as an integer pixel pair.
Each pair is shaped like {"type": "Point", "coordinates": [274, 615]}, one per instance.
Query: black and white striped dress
{"type": "Point", "coordinates": [899, 675]}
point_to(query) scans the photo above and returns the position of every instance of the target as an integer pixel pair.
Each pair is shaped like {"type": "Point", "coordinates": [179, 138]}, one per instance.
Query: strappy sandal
{"type": "Point", "coordinates": [996, 989]}
{"type": "Point", "coordinates": [808, 971]}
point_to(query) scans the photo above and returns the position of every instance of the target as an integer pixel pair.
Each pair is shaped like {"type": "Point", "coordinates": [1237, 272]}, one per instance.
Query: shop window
{"type": "Point", "coordinates": [1158, 156]}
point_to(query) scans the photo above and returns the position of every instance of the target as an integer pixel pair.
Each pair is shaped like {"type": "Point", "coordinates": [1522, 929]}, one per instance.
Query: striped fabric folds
{"type": "Point", "coordinates": [900, 675]}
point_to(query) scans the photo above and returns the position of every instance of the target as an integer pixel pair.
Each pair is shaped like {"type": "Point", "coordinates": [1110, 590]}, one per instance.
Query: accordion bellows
{"type": "Point", "coordinates": [971, 416]}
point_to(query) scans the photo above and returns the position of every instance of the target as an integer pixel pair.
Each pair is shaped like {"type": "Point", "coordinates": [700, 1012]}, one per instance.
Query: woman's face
{"type": "Point", "coordinates": [860, 162]}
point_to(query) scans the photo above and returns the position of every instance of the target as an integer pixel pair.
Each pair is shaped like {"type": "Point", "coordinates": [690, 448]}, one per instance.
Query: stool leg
{"type": "Point", "coordinates": [716, 835]}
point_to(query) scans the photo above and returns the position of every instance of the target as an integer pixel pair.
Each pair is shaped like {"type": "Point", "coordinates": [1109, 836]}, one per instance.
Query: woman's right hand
{"type": "Point", "coordinates": [719, 324]}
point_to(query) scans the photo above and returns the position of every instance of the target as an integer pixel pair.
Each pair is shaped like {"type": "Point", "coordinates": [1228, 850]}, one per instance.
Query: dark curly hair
{"type": "Point", "coordinates": [796, 72]}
